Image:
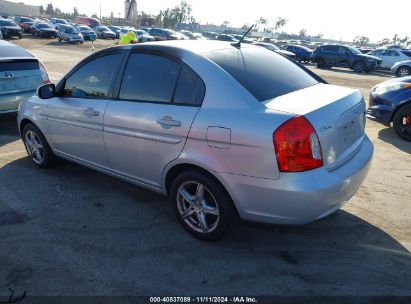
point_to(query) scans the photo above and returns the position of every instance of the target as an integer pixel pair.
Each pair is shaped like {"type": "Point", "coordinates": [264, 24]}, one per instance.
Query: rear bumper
{"type": "Point", "coordinates": [10, 102]}
{"type": "Point", "coordinates": [299, 198]}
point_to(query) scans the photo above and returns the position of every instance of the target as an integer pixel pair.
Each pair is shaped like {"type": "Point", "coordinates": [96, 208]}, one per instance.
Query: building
{"type": "Point", "coordinates": [8, 8]}
{"type": "Point", "coordinates": [130, 10]}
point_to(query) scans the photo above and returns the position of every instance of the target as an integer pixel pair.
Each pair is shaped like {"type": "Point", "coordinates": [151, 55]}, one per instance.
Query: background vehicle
{"type": "Point", "coordinates": [210, 35]}
{"type": "Point", "coordinates": [91, 22]}
{"type": "Point", "coordinates": [25, 27]}
{"type": "Point", "coordinates": [69, 34]}
{"type": "Point", "coordinates": [276, 49]}
{"type": "Point", "coordinates": [245, 40]}
{"type": "Point", "coordinates": [302, 53]}
{"type": "Point", "coordinates": [87, 32]}
{"type": "Point", "coordinates": [142, 36]}
{"type": "Point", "coordinates": [169, 126]}
{"type": "Point", "coordinates": [402, 68]}
{"type": "Point", "coordinates": [20, 75]}
{"type": "Point", "coordinates": [44, 30]}
{"type": "Point", "coordinates": [390, 102]}
{"type": "Point", "coordinates": [20, 20]}
{"type": "Point", "coordinates": [226, 37]}
{"type": "Point", "coordinates": [390, 57]}
{"type": "Point", "coordinates": [193, 36]}
{"type": "Point", "coordinates": [336, 55]}
{"type": "Point", "coordinates": [56, 22]}
{"type": "Point", "coordinates": [103, 32]}
{"type": "Point", "coordinates": [10, 29]}
{"type": "Point", "coordinates": [164, 34]}
{"type": "Point", "coordinates": [115, 29]}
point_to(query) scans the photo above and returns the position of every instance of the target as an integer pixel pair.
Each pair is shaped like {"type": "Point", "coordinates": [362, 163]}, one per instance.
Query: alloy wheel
{"type": "Point", "coordinates": [404, 72]}
{"type": "Point", "coordinates": [34, 147]}
{"type": "Point", "coordinates": [197, 207]}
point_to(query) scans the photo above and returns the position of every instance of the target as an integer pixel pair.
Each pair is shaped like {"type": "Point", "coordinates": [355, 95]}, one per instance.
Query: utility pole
{"type": "Point", "coordinates": [100, 10]}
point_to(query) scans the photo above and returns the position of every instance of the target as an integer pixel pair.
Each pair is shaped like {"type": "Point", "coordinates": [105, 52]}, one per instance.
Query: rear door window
{"type": "Point", "coordinates": [263, 73]}
{"type": "Point", "coordinates": [190, 89]}
{"type": "Point", "coordinates": [149, 77]}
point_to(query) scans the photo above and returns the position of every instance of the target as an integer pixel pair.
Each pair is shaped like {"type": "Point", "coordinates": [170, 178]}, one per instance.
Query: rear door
{"type": "Point", "coordinates": [330, 54]}
{"type": "Point", "coordinates": [75, 119]}
{"type": "Point", "coordinates": [381, 54]}
{"type": "Point", "coordinates": [342, 57]}
{"type": "Point", "coordinates": [390, 58]}
{"type": "Point", "coordinates": [147, 126]}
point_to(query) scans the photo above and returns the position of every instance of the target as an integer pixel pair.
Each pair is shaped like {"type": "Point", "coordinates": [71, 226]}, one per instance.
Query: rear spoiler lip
{"type": "Point", "coordinates": [8, 59]}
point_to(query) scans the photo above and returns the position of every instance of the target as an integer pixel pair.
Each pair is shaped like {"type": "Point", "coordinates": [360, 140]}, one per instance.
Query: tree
{"type": "Point", "coordinates": [361, 40]}
{"type": "Point", "coordinates": [178, 14]}
{"type": "Point", "coordinates": [383, 42]}
{"type": "Point", "coordinates": [41, 9]}
{"type": "Point", "coordinates": [75, 12]}
{"type": "Point", "coordinates": [261, 24]}
{"type": "Point", "coordinates": [303, 33]}
{"type": "Point", "coordinates": [280, 23]}
{"type": "Point", "coordinates": [50, 10]}
{"type": "Point", "coordinates": [226, 23]}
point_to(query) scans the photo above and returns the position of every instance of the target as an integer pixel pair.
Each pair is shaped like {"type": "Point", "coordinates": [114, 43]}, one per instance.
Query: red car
{"type": "Point", "coordinates": [26, 26]}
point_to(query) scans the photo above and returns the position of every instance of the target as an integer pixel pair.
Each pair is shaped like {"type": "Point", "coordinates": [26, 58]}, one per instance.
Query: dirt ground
{"type": "Point", "coordinates": [72, 231]}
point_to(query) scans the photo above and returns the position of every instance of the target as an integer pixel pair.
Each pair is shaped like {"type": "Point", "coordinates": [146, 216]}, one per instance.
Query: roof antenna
{"type": "Point", "coordinates": [238, 44]}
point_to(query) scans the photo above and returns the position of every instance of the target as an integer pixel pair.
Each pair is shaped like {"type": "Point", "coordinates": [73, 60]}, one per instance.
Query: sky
{"type": "Point", "coordinates": [334, 19]}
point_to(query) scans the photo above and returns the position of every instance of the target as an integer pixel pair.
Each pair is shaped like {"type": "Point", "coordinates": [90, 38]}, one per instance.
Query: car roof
{"type": "Point", "coordinates": [178, 48]}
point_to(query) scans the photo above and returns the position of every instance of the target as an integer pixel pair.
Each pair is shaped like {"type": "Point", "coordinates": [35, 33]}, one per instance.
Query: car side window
{"type": "Point", "coordinates": [94, 78]}
{"type": "Point", "coordinates": [342, 50]}
{"type": "Point", "coordinates": [190, 89]}
{"type": "Point", "coordinates": [149, 77]}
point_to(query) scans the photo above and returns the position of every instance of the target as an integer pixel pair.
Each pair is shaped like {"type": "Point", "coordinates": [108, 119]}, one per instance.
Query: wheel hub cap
{"type": "Point", "coordinates": [197, 207]}
{"type": "Point", "coordinates": [34, 147]}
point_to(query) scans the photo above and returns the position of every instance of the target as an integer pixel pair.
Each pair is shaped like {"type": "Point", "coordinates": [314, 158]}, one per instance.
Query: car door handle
{"type": "Point", "coordinates": [90, 112]}
{"type": "Point", "coordinates": [168, 122]}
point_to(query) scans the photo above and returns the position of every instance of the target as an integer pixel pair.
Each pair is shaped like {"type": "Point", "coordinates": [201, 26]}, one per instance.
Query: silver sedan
{"type": "Point", "coordinates": [224, 129]}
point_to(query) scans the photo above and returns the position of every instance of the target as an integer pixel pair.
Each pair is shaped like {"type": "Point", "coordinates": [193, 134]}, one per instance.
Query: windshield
{"type": "Point", "coordinates": [61, 21]}
{"type": "Point", "coordinates": [43, 25]}
{"type": "Point", "coordinates": [71, 30]}
{"type": "Point", "coordinates": [140, 32]}
{"type": "Point", "coordinates": [104, 28]}
{"type": "Point", "coordinates": [7, 23]}
{"type": "Point", "coordinates": [24, 19]}
{"type": "Point", "coordinates": [263, 73]}
{"type": "Point", "coordinates": [84, 28]}
{"type": "Point", "coordinates": [354, 50]}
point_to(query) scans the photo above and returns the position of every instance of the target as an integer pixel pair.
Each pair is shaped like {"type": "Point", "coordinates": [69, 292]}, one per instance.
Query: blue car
{"type": "Point", "coordinates": [302, 53]}
{"type": "Point", "coordinates": [390, 101]}
{"type": "Point", "coordinates": [87, 32]}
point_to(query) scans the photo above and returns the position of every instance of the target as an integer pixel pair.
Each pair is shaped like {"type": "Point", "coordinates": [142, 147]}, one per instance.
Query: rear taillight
{"type": "Point", "coordinates": [297, 146]}
{"type": "Point", "coordinates": [44, 73]}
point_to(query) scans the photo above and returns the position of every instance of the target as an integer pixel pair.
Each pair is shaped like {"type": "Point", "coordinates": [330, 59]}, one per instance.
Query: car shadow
{"type": "Point", "coordinates": [378, 73]}
{"type": "Point", "coordinates": [127, 237]}
{"type": "Point", "coordinates": [389, 136]}
{"type": "Point", "coordinates": [8, 128]}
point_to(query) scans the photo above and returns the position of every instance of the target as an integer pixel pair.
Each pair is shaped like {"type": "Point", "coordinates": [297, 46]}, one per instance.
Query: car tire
{"type": "Point", "coordinates": [59, 39]}
{"type": "Point", "coordinates": [68, 40]}
{"type": "Point", "coordinates": [201, 205]}
{"type": "Point", "coordinates": [37, 147]}
{"type": "Point", "coordinates": [358, 67]}
{"type": "Point", "coordinates": [402, 122]}
{"type": "Point", "coordinates": [403, 71]}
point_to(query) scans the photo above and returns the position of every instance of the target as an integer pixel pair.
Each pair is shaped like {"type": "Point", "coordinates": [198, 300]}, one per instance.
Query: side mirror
{"type": "Point", "coordinates": [47, 91]}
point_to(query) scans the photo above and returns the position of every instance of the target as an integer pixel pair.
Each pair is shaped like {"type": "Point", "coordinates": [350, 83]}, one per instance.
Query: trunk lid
{"type": "Point", "coordinates": [19, 75]}
{"type": "Point", "coordinates": [337, 115]}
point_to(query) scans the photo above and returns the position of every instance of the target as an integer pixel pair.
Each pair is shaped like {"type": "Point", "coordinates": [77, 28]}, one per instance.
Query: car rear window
{"type": "Point", "coordinates": [12, 51]}
{"type": "Point", "coordinates": [263, 73]}
{"type": "Point", "coordinates": [19, 65]}
{"type": "Point", "coordinates": [407, 53]}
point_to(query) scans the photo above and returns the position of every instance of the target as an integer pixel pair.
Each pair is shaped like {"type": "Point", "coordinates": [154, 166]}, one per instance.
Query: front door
{"type": "Point", "coordinates": [146, 128]}
{"type": "Point", "coordinates": [75, 119]}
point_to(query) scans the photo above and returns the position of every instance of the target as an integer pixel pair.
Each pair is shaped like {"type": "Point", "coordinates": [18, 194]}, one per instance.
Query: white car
{"type": "Point", "coordinates": [390, 56]}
